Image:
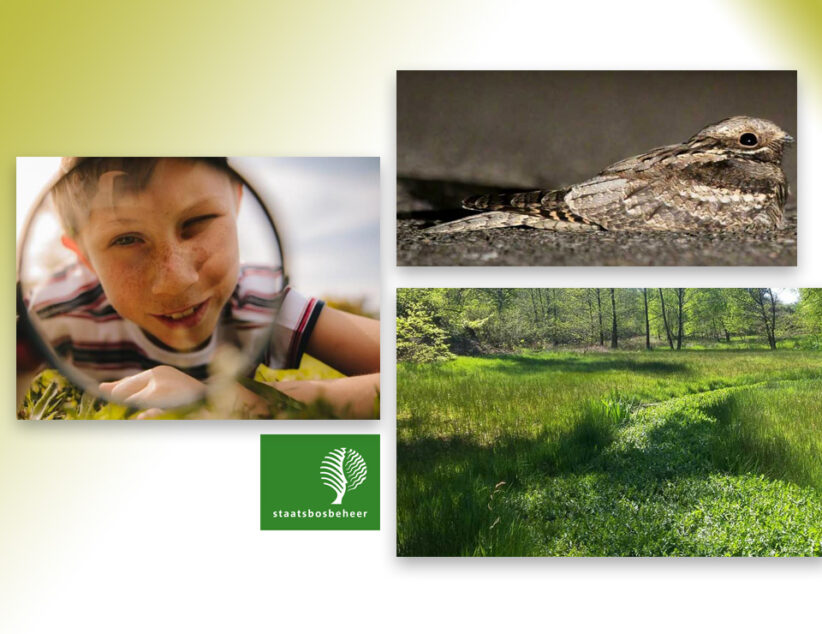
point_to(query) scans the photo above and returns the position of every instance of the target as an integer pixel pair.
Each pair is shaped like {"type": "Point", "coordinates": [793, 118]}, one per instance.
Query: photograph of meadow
{"type": "Point", "coordinates": [609, 422]}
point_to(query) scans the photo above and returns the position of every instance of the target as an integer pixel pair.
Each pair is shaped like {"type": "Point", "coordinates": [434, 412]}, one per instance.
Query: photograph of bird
{"type": "Point", "coordinates": [726, 177]}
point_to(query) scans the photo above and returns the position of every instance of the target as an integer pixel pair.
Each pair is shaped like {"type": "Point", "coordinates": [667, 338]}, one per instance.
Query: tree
{"type": "Point", "coordinates": [419, 339]}
{"type": "Point", "coordinates": [433, 321]}
{"type": "Point", "coordinates": [810, 310]}
{"type": "Point", "coordinates": [764, 304]}
{"type": "Point", "coordinates": [554, 317]}
{"type": "Point", "coordinates": [591, 315]}
{"type": "Point", "coordinates": [534, 293]}
{"type": "Point", "coordinates": [647, 321]}
{"type": "Point", "coordinates": [680, 311]}
{"type": "Point", "coordinates": [709, 312]}
{"type": "Point", "coordinates": [754, 310]}
{"type": "Point", "coordinates": [665, 319]}
{"type": "Point", "coordinates": [500, 297]}
{"type": "Point", "coordinates": [343, 470]}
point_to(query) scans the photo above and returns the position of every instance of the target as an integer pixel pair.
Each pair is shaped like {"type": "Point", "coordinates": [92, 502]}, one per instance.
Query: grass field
{"type": "Point", "coordinates": [52, 397]}
{"type": "Point", "coordinates": [624, 453]}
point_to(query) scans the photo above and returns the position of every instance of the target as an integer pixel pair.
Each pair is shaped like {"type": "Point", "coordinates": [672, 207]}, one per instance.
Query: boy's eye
{"type": "Point", "coordinates": [124, 241]}
{"type": "Point", "coordinates": [195, 220]}
{"type": "Point", "coordinates": [195, 223]}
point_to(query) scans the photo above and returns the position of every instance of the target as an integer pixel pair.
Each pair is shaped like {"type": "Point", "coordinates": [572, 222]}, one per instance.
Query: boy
{"type": "Point", "coordinates": [159, 285]}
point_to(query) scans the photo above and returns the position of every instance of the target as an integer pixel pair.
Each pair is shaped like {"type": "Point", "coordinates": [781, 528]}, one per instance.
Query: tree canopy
{"type": "Point", "coordinates": [434, 322]}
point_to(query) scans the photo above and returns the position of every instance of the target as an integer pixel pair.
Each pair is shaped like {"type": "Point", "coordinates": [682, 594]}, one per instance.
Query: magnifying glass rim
{"type": "Point", "coordinates": [48, 351]}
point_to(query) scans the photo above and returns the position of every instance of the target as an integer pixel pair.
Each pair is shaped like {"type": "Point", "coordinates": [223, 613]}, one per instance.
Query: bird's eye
{"type": "Point", "coordinates": [748, 139]}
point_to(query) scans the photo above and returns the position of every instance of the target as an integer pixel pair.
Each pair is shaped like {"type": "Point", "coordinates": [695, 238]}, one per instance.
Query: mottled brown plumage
{"type": "Point", "coordinates": [727, 177]}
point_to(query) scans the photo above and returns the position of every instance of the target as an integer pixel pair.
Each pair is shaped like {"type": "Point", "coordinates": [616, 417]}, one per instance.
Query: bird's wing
{"type": "Point", "coordinates": [630, 193]}
{"type": "Point", "coordinates": [665, 200]}
{"type": "Point", "coordinates": [601, 200]}
{"type": "Point", "coordinates": [667, 157]}
{"type": "Point", "coordinates": [638, 204]}
{"type": "Point", "coordinates": [642, 162]}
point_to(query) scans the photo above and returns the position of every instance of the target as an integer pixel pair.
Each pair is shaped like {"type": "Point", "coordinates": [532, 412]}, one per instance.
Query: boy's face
{"type": "Point", "coordinates": [167, 255]}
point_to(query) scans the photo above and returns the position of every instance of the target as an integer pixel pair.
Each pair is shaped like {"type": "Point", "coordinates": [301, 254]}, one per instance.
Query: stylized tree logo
{"type": "Point", "coordinates": [343, 470]}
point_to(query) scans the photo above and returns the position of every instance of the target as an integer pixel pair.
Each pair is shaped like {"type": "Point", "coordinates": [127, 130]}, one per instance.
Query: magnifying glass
{"type": "Point", "coordinates": [127, 264]}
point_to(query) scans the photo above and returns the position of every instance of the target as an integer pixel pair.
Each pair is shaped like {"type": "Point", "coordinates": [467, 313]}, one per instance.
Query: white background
{"type": "Point", "coordinates": [155, 526]}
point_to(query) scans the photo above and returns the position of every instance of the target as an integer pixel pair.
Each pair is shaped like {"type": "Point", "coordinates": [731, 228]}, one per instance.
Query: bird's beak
{"type": "Point", "coordinates": [788, 139]}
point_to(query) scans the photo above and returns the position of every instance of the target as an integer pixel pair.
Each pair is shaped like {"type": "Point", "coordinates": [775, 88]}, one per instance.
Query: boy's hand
{"type": "Point", "coordinates": [350, 397]}
{"type": "Point", "coordinates": [159, 387]}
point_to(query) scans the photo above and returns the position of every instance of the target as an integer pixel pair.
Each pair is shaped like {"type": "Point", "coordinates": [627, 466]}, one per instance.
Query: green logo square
{"type": "Point", "coordinates": [320, 482]}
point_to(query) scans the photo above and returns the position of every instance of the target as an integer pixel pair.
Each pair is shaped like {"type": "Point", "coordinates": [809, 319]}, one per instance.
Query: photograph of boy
{"type": "Point", "coordinates": [593, 168]}
{"type": "Point", "coordinates": [156, 298]}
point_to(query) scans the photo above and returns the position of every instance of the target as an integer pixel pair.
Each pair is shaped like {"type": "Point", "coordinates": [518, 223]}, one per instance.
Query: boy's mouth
{"type": "Point", "coordinates": [186, 318]}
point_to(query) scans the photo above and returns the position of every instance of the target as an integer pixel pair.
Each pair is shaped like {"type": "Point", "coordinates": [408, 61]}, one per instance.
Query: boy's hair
{"type": "Point", "coordinates": [73, 192]}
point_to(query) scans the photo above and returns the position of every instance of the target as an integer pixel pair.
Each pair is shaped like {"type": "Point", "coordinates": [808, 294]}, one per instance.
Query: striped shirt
{"type": "Point", "coordinates": [265, 323]}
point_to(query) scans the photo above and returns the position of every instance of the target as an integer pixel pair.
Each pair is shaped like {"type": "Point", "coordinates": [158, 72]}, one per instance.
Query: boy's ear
{"type": "Point", "coordinates": [239, 196]}
{"type": "Point", "coordinates": [69, 243]}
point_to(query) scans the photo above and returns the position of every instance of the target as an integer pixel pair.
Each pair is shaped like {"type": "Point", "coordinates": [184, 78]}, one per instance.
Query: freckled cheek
{"type": "Point", "coordinates": [125, 287]}
{"type": "Point", "coordinates": [219, 269]}
{"type": "Point", "coordinates": [218, 256]}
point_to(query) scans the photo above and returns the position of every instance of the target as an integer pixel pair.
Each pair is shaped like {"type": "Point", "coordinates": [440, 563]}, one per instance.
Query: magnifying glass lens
{"type": "Point", "coordinates": [165, 264]}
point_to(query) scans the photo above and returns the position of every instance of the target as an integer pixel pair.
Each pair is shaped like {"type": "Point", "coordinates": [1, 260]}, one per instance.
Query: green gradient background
{"type": "Point", "coordinates": [277, 78]}
{"type": "Point", "coordinates": [152, 78]}
{"type": "Point", "coordinates": [795, 25]}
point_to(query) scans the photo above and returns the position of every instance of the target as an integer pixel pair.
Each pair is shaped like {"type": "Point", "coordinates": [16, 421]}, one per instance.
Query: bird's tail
{"type": "Point", "coordinates": [522, 202]}
{"type": "Point", "coordinates": [498, 219]}
{"type": "Point", "coordinates": [547, 203]}
{"type": "Point", "coordinates": [488, 220]}
{"type": "Point", "coordinates": [540, 209]}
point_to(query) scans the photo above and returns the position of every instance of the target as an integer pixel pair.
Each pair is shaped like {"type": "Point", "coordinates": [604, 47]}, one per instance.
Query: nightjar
{"type": "Point", "coordinates": [727, 177]}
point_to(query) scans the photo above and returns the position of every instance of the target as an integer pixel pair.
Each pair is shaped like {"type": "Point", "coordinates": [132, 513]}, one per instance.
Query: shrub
{"type": "Point", "coordinates": [419, 339]}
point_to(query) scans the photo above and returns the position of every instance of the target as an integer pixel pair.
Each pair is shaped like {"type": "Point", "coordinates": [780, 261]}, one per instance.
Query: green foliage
{"type": "Point", "coordinates": [481, 320]}
{"type": "Point", "coordinates": [51, 397]}
{"type": "Point", "coordinates": [810, 312]}
{"type": "Point", "coordinates": [419, 339]}
{"type": "Point", "coordinates": [611, 454]}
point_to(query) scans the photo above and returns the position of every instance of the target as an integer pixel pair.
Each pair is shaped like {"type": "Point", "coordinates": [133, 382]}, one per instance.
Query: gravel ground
{"type": "Point", "coordinates": [421, 204]}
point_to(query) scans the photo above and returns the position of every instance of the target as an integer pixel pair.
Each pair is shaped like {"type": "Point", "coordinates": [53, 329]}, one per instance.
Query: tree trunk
{"type": "Point", "coordinates": [758, 296]}
{"type": "Point", "coordinates": [773, 319]}
{"type": "Point", "coordinates": [532, 291]}
{"type": "Point", "coordinates": [665, 319]}
{"type": "Point", "coordinates": [555, 314]}
{"type": "Point", "coordinates": [591, 317]}
{"type": "Point", "coordinates": [599, 309]}
{"type": "Point", "coordinates": [647, 321]}
{"type": "Point", "coordinates": [614, 342]}
{"type": "Point", "coordinates": [680, 300]}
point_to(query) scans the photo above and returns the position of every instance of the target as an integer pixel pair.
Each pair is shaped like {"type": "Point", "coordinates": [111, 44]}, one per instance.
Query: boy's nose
{"type": "Point", "coordinates": [176, 270]}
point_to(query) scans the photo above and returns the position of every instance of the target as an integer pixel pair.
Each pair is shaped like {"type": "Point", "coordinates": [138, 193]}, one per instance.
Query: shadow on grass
{"type": "Point", "coordinates": [451, 492]}
{"type": "Point", "coordinates": [521, 364]}
{"type": "Point", "coordinates": [743, 442]}
{"type": "Point", "coordinates": [590, 491]}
